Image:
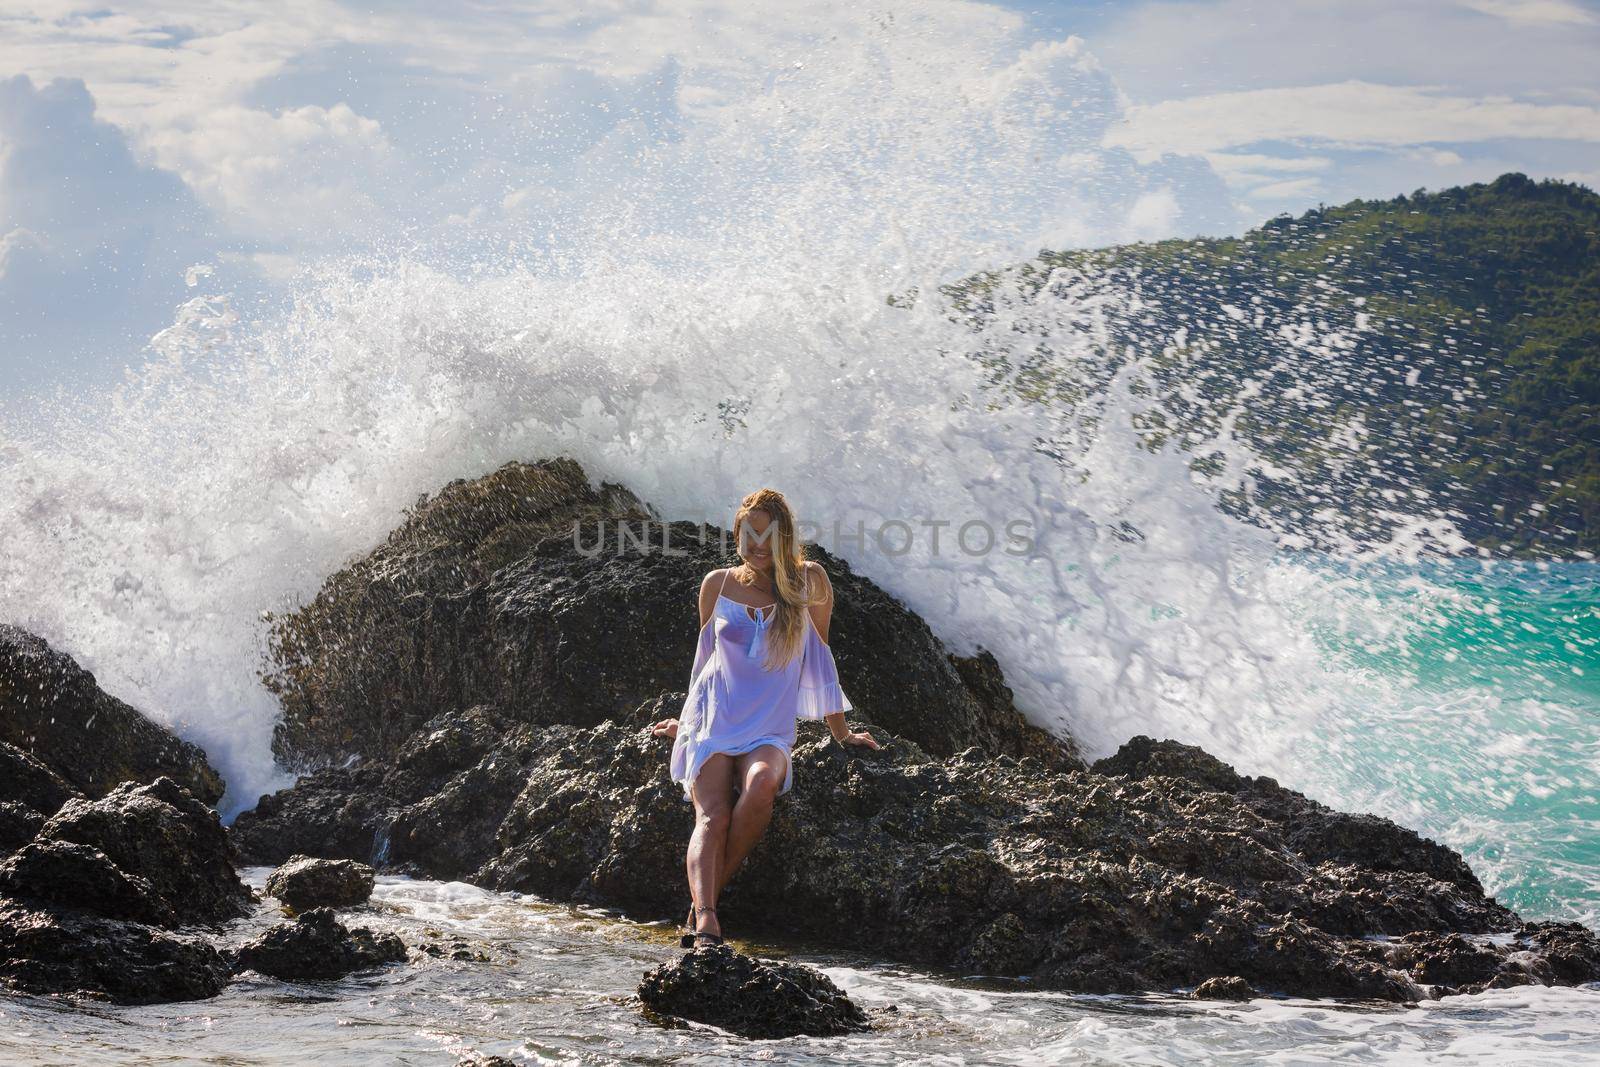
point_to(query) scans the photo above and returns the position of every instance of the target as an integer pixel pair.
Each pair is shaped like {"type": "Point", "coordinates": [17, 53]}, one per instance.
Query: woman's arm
{"type": "Point", "coordinates": [821, 610]}
{"type": "Point", "coordinates": [821, 607]}
{"type": "Point", "coordinates": [710, 586]}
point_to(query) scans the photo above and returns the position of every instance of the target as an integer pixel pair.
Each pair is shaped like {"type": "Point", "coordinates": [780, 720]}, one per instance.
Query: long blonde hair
{"type": "Point", "coordinates": [787, 631]}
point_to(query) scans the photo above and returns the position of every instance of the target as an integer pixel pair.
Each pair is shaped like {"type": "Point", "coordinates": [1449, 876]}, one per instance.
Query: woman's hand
{"type": "Point", "coordinates": [665, 728]}
{"type": "Point", "coordinates": [860, 737]}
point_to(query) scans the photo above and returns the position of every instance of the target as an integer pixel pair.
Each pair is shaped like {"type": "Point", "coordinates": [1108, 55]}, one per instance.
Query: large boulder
{"type": "Point", "coordinates": [558, 603]}
{"type": "Point", "coordinates": [27, 782]}
{"type": "Point", "coordinates": [461, 770]}
{"type": "Point", "coordinates": [304, 883]}
{"type": "Point", "coordinates": [18, 825]}
{"type": "Point", "coordinates": [750, 997]}
{"type": "Point", "coordinates": [29, 791]}
{"type": "Point", "coordinates": [161, 834]}
{"type": "Point", "coordinates": [52, 709]}
{"type": "Point", "coordinates": [317, 946]}
{"type": "Point", "coordinates": [88, 905]}
{"type": "Point", "coordinates": [84, 954]}
{"type": "Point", "coordinates": [62, 874]}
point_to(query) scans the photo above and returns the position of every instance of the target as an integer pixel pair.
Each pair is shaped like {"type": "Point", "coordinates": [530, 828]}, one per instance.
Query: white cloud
{"type": "Point", "coordinates": [1435, 157]}
{"type": "Point", "coordinates": [93, 244]}
{"type": "Point", "coordinates": [303, 174]}
{"type": "Point", "coordinates": [16, 243]}
{"type": "Point", "coordinates": [1591, 178]}
{"type": "Point", "coordinates": [1293, 188]}
{"type": "Point", "coordinates": [1353, 113]}
{"type": "Point", "coordinates": [1171, 49]}
{"type": "Point", "coordinates": [1229, 163]}
{"type": "Point", "coordinates": [1535, 12]}
{"type": "Point", "coordinates": [1153, 215]}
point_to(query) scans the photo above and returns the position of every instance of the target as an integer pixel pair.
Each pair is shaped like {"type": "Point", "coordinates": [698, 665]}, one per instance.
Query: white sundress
{"type": "Point", "coordinates": [735, 704]}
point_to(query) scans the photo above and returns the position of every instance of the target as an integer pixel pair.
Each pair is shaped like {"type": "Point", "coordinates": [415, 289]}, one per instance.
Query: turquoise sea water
{"type": "Point", "coordinates": [1473, 714]}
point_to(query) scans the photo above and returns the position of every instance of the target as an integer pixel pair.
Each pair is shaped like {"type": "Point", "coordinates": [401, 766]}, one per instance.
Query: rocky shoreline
{"type": "Point", "coordinates": [471, 702]}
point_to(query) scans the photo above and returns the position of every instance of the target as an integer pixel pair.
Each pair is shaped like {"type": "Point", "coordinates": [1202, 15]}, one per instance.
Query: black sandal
{"type": "Point", "coordinates": [686, 932]}
{"type": "Point", "coordinates": [688, 940]}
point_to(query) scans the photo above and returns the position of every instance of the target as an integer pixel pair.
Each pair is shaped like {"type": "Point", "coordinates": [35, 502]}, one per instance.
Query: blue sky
{"type": "Point", "coordinates": [138, 140]}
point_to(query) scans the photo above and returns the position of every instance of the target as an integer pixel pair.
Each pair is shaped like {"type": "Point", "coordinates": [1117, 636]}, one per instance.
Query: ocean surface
{"type": "Point", "coordinates": [711, 313]}
{"type": "Point", "coordinates": [556, 991]}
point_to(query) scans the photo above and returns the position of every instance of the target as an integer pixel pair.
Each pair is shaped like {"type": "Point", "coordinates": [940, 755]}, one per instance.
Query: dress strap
{"type": "Point", "coordinates": [724, 584]}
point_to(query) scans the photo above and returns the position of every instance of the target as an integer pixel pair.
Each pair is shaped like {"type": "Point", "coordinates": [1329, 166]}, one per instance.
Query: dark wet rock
{"type": "Point", "coordinates": [29, 783]}
{"type": "Point", "coordinates": [751, 997]}
{"type": "Point", "coordinates": [436, 809]}
{"type": "Point", "coordinates": [437, 945]}
{"type": "Point", "coordinates": [162, 835]}
{"type": "Point", "coordinates": [50, 952]}
{"type": "Point", "coordinates": [317, 946]}
{"type": "Point", "coordinates": [1231, 988]}
{"type": "Point", "coordinates": [1535, 954]}
{"type": "Point", "coordinates": [18, 825]}
{"type": "Point", "coordinates": [341, 812]}
{"type": "Point", "coordinates": [1448, 960]}
{"type": "Point", "coordinates": [88, 905]}
{"type": "Point", "coordinates": [1145, 757]}
{"type": "Point", "coordinates": [460, 951]}
{"type": "Point", "coordinates": [1569, 952]}
{"type": "Point", "coordinates": [484, 596]}
{"type": "Point", "coordinates": [61, 874]}
{"type": "Point", "coordinates": [981, 865]}
{"type": "Point", "coordinates": [52, 709]}
{"type": "Point", "coordinates": [1315, 833]}
{"type": "Point", "coordinates": [304, 883]}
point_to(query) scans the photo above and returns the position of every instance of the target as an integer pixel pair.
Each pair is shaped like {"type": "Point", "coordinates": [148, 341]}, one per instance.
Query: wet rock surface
{"type": "Point", "coordinates": [68, 875]}
{"type": "Point", "coordinates": [29, 785]}
{"type": "Point", "coordinates": [304, 883]}
{"type": "Point", "coordinates": [751, 997]}
{"type": "Point", "coordinates": [92, 904]}
{"type": "Point", "coordinates": [1223, 989]}
{"type": "Point", "coordinates": [163, 835]}
{"type": "Point", "coordinates": [485, 595]}
{"type": "Point", "coordinates": [1078, 880]}
{"type": "Point", "coordinates": [18, 825]}
{"type": "Point", "coordinates": [52, 709]}
{"type": "Point", "coordinates": [317, 946]}
{"type": "Point", "coordinates": [79, 953]}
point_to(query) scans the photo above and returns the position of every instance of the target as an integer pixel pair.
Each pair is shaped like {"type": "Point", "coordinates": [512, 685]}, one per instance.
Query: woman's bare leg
{"type": "Point", "coordinates": [712, 792]}
{"type": "Point", "coordinates": [760, 773]}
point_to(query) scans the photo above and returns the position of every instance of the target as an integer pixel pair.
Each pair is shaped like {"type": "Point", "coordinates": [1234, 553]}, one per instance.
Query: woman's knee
{"type": "Point", "coordinates": [764, 783]}
{"type": "Point", "coordinates": [714, 817]}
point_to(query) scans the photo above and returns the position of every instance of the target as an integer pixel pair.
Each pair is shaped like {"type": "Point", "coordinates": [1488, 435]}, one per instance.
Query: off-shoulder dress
{"type": "Point", "coordinates": [735, 704]}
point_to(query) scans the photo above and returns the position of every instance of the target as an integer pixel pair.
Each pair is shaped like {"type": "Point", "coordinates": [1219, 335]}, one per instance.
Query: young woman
{"type": "Point", "coordinates": [763, 662]}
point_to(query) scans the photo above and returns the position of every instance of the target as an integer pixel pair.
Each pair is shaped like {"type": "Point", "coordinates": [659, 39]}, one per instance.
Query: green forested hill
{"type": "Point", "coordinates": [1434, 352]}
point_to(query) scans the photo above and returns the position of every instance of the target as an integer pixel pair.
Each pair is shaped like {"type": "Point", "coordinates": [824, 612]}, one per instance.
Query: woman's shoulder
{"type": "Point", "coordinates": [816, 578]}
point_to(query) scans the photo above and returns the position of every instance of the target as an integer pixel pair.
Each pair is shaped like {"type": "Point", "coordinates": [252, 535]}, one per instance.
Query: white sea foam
{"type": "Point", "coordinates": [712, 318]}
